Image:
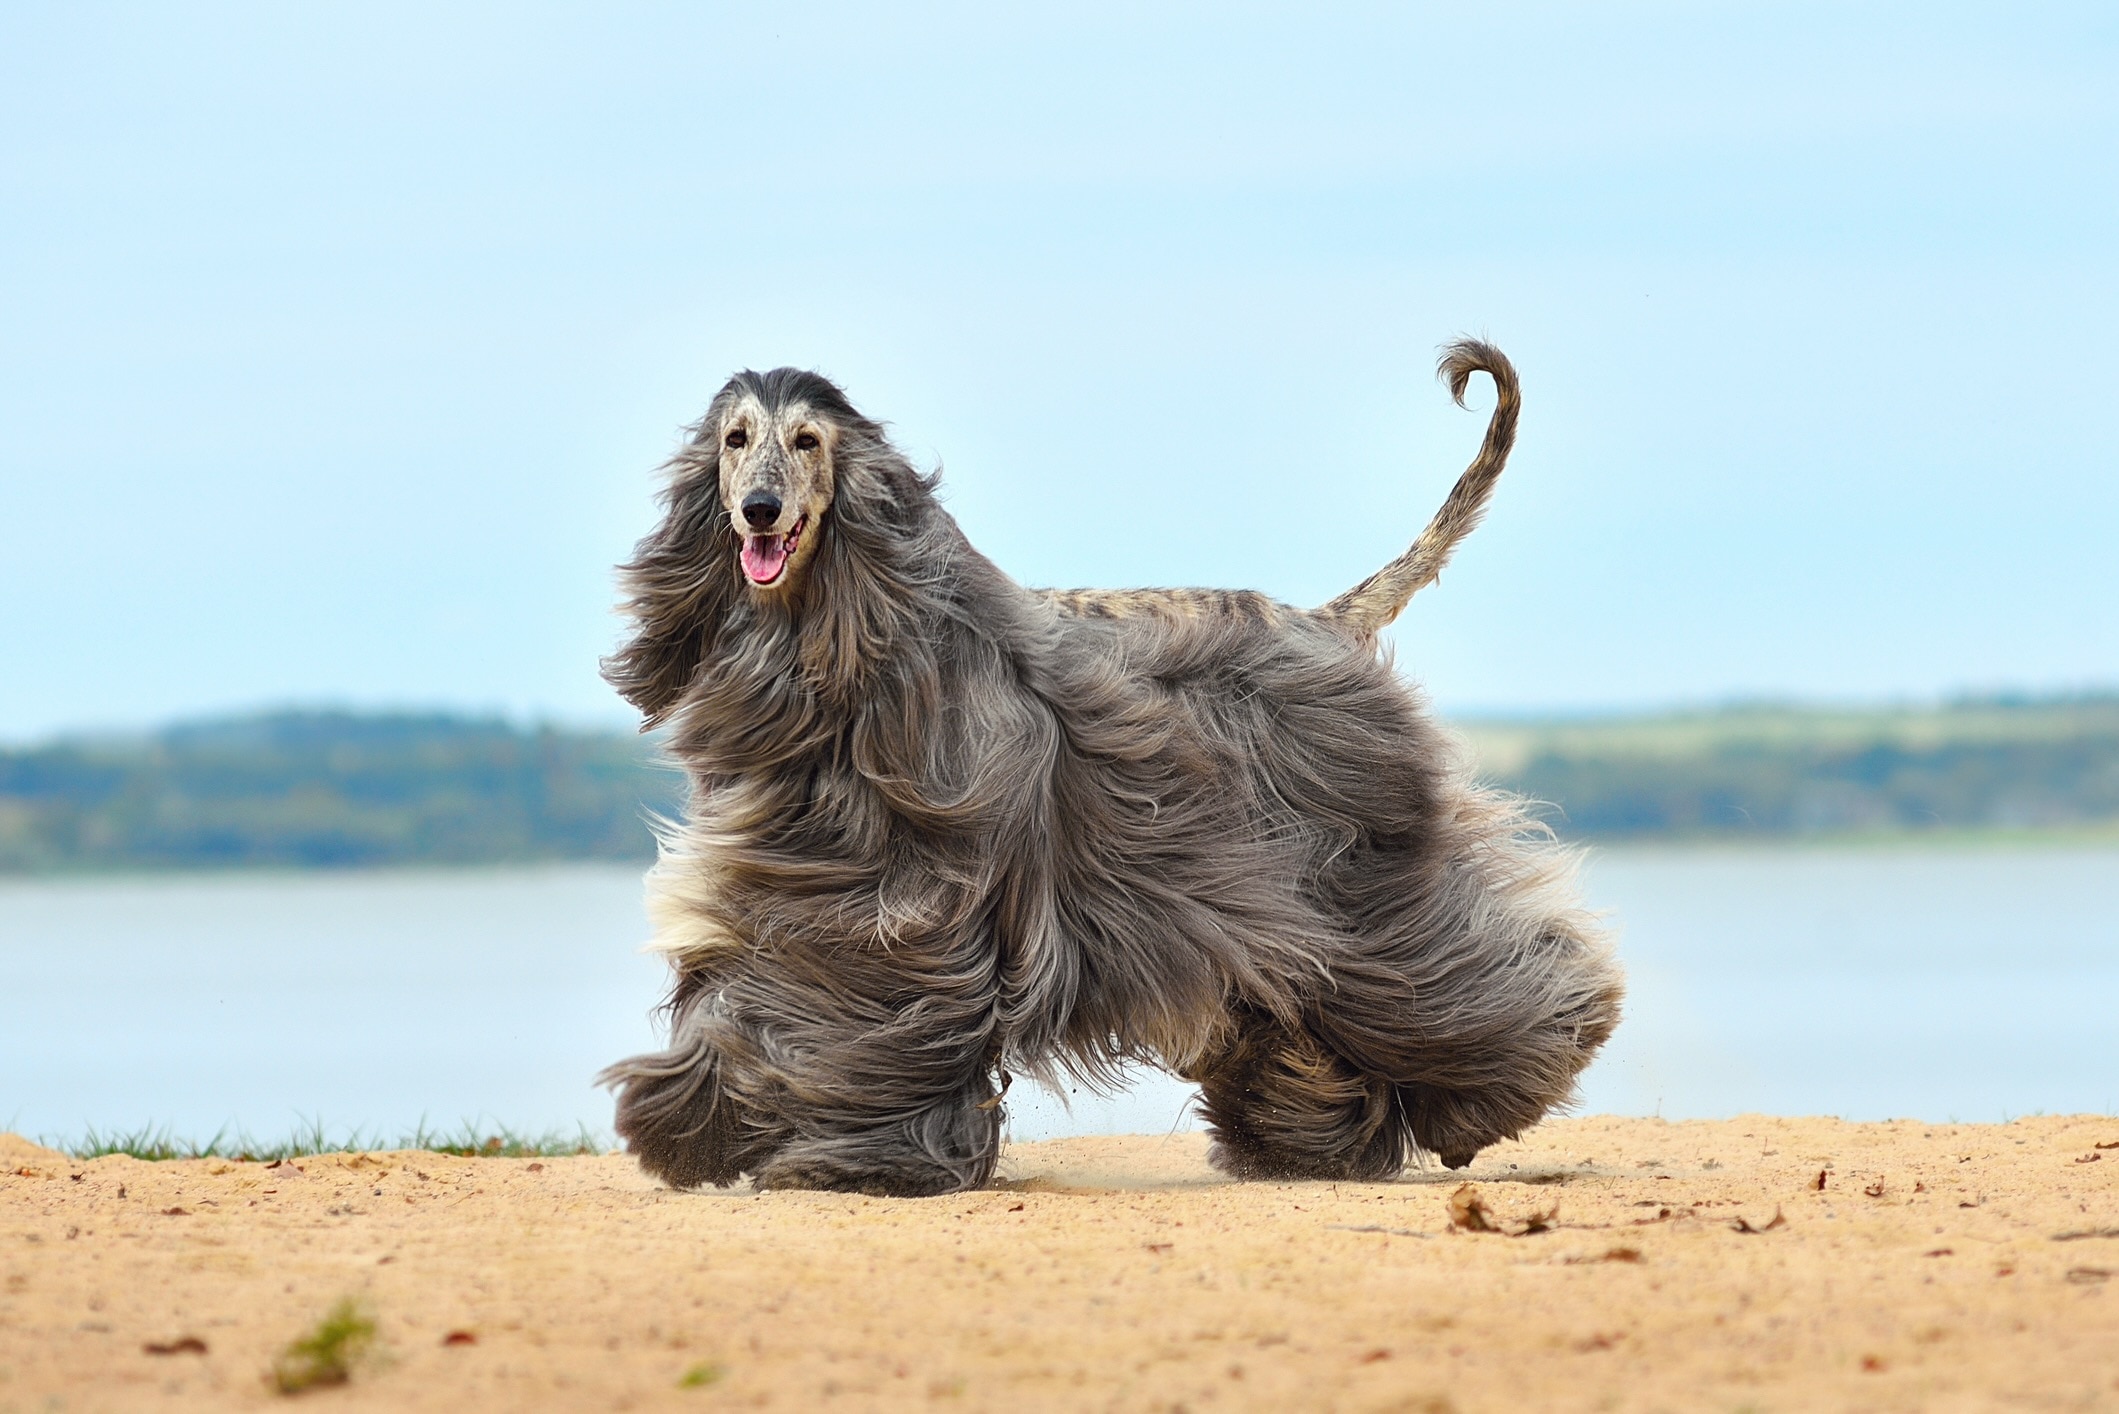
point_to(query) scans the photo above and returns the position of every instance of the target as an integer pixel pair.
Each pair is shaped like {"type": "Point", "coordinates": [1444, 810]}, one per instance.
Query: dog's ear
{"type": "Point", "coordinates": [680, 586]}
{"type": "Point", "coordinates": [859, 599]}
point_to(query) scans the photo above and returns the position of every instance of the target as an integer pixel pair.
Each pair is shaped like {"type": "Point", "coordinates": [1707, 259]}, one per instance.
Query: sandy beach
{"type": "Point", "coordinates": [1754, 1264]}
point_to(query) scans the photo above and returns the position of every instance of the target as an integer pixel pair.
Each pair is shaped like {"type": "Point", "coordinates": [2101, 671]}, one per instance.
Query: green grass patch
{"type": "Point", "coordinates": [699, 1376]}
{"type": "Point", "coordinates": [328, 1353]}
{"type": "Point", "coordinates": [471, 1142]}
{"type": "Point", "coordinates": [157, 1143]}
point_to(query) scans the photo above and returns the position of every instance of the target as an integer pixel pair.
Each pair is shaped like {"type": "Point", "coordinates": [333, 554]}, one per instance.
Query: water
{"type": "Point", "coordinates": [1942, 984]}
{"type": "Point", "coordinates": [1945, 984]}
{"type": "Point", "coordinates": [260, 1002]}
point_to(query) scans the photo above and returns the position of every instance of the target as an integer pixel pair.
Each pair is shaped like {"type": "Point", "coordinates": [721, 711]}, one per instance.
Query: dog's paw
{"type": "Point", "coordinates": [944, 1149]}
{"type": "Point", "coordinates": [674, 1119]}
{"type": "Point", "coordinates": [896, 1182]}
{"type": "Point", "coordinates": [680, 1160]}
{"type": "Point", "coordinates": [1246, 1159]}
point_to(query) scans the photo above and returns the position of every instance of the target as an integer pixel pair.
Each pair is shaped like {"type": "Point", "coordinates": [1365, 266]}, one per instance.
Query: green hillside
{"type": "Point", "coordinates": [337, 789]}
{"type": "Point", "coordinates": [325, 789]}
{"type": "Point", "coordinates": [1997, 765]}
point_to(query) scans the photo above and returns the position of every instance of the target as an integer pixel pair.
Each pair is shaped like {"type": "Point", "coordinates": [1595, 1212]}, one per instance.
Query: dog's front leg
{"type": "Point", "coordinates": [884, 1067]}
{"type": "Point", "coordinates": [928, 1144]}
{"type": "Point", "coordinates": [677, 1113]}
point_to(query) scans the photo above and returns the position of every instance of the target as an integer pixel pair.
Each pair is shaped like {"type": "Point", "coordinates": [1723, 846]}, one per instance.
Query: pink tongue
{"type": "Point", "coordinates": [763, 555]}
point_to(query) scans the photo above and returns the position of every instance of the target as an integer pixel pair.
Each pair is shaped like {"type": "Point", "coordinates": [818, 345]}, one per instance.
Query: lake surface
{"type": "Point", "coordinates": [1953, 983]}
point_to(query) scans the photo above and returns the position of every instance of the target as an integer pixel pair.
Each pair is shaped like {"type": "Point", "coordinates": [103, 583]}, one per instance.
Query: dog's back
{"type": "Point", "coordinates": [1171, 604]}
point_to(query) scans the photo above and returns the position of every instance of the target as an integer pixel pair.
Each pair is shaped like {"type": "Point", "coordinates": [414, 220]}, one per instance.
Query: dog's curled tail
{"type": "Point", "coordinates": [1374, 602]}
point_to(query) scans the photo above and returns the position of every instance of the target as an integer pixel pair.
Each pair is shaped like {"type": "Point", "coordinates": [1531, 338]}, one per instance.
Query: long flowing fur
{"type": "Point", "coordinates": [943, 828]}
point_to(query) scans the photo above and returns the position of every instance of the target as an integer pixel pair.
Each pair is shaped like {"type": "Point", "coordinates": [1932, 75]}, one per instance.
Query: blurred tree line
{"type": "Point", "coordinates": [326, 789]}
{"type": "Point", "coordinates": [1976, 765]}
{"type": "Point", "coordinates": [333, 789]}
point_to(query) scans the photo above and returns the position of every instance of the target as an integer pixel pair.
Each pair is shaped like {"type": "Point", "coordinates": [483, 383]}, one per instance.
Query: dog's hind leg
{"type": "Point", "coordinates": [1482, 989]}
{"type": "Point", "coordinates": [1454, 1125]}
{"type": "Point", "coordinates": [1282, 1105]}
{"type": "Point", "coordinates": [1481, 1050]}
{"type": "Point", "coordinates": [1556, 1000]}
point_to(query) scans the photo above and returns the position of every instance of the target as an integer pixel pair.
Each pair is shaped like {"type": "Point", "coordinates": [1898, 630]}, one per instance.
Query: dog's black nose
{"type": "Point", "coordinates": [761, 508]}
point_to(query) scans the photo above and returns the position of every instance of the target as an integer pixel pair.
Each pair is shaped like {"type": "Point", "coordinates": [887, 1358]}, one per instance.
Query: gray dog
{"type": "Point", "coordinates": [944, 827]}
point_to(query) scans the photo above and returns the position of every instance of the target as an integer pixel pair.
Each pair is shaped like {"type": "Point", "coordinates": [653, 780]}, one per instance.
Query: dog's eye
{"type": "Point", "coordinates": [805, 441]}
{"type": "Point", "coordinates": [736, 437]}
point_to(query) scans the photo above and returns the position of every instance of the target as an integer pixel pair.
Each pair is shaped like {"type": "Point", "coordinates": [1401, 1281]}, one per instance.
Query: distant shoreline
{"type": "Point", "coordinates": [331, 791]}
{"type": "Point", "coordinates": [2098, 839]}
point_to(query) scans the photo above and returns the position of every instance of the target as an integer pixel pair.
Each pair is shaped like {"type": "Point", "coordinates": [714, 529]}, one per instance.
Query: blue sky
{"type": "Point", "coordinates": [338, 344]}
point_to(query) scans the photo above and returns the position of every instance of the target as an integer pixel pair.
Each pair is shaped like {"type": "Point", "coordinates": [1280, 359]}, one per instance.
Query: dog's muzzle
{"type": "Point", "coordinates": [765, 556]}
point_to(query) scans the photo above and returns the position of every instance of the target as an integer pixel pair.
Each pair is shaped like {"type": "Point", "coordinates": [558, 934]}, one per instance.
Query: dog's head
{"type": "Point", "coordinates": [779, 497]}
{"type": "Point", "coordinates": [773, 439]}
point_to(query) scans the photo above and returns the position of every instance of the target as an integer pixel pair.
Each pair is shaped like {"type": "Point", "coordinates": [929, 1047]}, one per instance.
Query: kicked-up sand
{"type": "Point", "coordinates": [1627, 1264]}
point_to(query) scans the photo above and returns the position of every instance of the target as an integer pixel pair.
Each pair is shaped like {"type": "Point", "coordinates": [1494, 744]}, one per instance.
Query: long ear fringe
{"type": "Point", "coordinates": [680, 586]}
{"type": "Point", "coordinates": [879, 556]}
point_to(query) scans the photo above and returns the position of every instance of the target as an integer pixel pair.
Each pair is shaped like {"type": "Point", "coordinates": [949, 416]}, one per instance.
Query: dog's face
{"type": "Point", "coordinates": [777, 481]}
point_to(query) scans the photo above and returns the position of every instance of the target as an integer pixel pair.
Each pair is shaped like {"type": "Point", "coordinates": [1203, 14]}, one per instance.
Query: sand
{"type": "Point", "coordinates": [1755, 1264]}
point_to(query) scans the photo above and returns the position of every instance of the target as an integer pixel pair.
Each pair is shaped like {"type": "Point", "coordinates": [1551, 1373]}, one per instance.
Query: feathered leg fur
{"type": "Point", "coordinates": [1281, 1105]}
{"type": "Point", "coordinates": [1478, 993]}
{"type": "Point", "coordinates": [850, 1072]}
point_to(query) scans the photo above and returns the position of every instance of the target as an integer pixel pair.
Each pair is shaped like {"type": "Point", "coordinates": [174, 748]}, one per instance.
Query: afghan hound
{"type": "Point", "coordinates": [943, 828]}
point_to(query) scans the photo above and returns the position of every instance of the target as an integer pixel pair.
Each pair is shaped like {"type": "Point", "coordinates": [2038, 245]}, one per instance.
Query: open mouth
{"type": "Point", "coordinates": [765, 557]}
